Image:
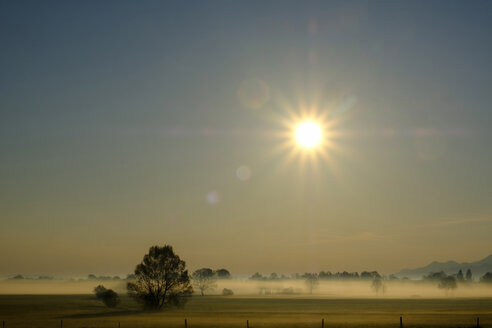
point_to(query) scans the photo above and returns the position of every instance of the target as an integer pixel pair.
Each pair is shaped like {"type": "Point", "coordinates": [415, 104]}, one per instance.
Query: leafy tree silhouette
{"type": "Point", "coordinates": [161, 280]}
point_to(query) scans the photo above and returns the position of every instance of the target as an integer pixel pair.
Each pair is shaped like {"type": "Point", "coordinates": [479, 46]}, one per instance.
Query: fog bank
{"type": "Point", "coordinates": [283, 288]}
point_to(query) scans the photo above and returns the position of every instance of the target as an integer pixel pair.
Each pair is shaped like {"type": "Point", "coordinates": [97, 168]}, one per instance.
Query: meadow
{"type": "Point", "coordinates": [84, 311]}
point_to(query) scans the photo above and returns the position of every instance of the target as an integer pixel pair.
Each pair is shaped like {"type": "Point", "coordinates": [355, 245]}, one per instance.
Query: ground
{"type": "Point", "coordinates": [84, 311]}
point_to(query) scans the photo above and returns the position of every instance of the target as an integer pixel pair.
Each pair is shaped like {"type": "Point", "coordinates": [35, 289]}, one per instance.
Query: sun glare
{"type": "Point", "coordinates": [308, 134]}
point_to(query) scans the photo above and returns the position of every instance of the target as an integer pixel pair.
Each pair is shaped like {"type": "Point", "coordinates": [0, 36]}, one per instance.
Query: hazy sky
{"type": "Point", "coordinates": [123, 125]}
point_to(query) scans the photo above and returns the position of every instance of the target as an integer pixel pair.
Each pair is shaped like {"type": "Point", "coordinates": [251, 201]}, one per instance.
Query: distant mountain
{"type": "Point", "coordinates": [478, 268]}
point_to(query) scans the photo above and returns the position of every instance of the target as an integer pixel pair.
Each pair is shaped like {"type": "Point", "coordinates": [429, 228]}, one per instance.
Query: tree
{"type": "Point", "coordinates": [18, 277]}
{"type": "Point", "coordinates": [161, 280]}
{"type": "Point", "coordinates": [435, 276]}
{"type": "Point", "coordinates": [469, 276]}
{"type": "Point", "coordinates": [257, 276]}
{"type": "Point", "coordinates": [369, 275]}
{"type": "Point", "coordinates": [204, 279]}
{"type": "Point", "coordinates": [378, 285]}
{"type": "Point", "coordinates": [448, 283]}
{"type": "Point", "coordinates": [223, 274]}
{"type": "Point", "coordinates": [312, 281]}
{"type": "Point", "coordinates": [487, 277]}
{"type": "Point", "coordinates": [325, 275]}
{"type": "Point", "coordinates": [459, 276]}
{"type": "Point", "coordinates": [346, 275]}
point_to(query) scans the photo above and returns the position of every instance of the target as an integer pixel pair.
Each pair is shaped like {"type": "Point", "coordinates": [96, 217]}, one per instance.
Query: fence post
{"type": "Point", "coordinates": [61, 323]}
{"type": "Point", "coordinates": [247, 323]}
{"type": "Point", "coordinates": [323, 323]}
{"type": "Point", "coordinates": [478, 322]}
{"type": "Point", "coordinates": [3, 323]}
{"type": "Point", "coordinates": [401, 322]}
{"type": "Point", "coordinates": [118, 324]}
{"type": "Point", "coordinates": [186, 323]}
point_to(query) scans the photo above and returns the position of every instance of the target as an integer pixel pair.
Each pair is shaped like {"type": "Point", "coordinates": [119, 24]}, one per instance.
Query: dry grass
{"type": "Point", "coordinates": [83, 311]}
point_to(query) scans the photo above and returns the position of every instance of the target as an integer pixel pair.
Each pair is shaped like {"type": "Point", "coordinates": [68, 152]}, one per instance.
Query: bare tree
{"type": "Point", "coordinates": [448, 283]}
{"type": "Point", "coordinates": [312, 281]}
{"type": "Point", "coordinates": [204, 279]}
{"type": "Point", "coordinates": [378, 285]}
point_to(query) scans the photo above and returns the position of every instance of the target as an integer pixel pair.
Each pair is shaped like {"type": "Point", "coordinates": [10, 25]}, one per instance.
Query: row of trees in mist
{"type": "Point", "coordinates": [323, 275]}
{"type": "Point", "coordinates": [161, 280]}
{"type": "Point", "coordinates": [205, 279]}
{"type": "Point", "coordinates": [458, 277]}
{"type": "Point", "coordinates": [450, 282]}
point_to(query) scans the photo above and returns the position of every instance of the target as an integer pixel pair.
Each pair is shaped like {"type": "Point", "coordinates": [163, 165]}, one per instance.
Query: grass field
{"type": "Point", "coordinates": [83, 311]}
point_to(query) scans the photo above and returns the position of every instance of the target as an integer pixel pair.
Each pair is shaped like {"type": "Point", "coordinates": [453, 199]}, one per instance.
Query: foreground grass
{"type": "Point", "coordinates": [83, 311]}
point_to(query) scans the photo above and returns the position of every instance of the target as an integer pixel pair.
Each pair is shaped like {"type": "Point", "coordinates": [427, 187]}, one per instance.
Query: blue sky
{"type": "Point", "coordinates": [117, 119]}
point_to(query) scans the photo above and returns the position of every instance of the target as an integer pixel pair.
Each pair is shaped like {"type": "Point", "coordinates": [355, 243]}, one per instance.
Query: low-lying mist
{"type": "Point", "coordinates": [282, 288]}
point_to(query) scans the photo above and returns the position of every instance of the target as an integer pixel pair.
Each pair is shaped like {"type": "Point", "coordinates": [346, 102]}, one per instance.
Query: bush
{"type": "Point", "coordinates": [227, 292]}
{"type": "Point", "coordinates": [108, 296]}
{"type": "Point", "coordinates": [99, 291]}
{"type": "Point", "coordinates": [287, 291]}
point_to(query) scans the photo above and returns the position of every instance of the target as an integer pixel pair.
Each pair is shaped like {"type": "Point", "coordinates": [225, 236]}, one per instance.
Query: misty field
{"type": "Point", "coordinates": [84, 311]}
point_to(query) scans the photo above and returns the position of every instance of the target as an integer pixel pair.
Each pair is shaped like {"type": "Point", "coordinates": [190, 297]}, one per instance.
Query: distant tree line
{"type": "Point", "coordinates": [459, 277]}
{"type": "Point", "coordinates": [21, 277]}
{"type": "Point", "coordinates": [103, 278]}
{"type": "Point", "coordinates": [450, 282]}
{"type": "Point", "coordinates": [312, 280]}
{"type": "Point", "coordinates": [323, 275]}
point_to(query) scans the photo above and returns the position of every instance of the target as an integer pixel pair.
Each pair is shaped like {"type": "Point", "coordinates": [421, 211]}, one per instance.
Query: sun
{"type": "Point", "coordinates": [309, 134]}
{"type": "Point", "coordinates": [310, 131]}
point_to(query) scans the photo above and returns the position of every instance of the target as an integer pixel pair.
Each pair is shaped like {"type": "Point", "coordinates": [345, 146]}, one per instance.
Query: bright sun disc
{"type": "Point", "coordinates": [308, 134]}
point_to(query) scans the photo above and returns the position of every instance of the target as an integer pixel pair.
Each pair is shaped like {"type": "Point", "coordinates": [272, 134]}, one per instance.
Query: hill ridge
{"type": "Point", "coordinates": [478, 268]}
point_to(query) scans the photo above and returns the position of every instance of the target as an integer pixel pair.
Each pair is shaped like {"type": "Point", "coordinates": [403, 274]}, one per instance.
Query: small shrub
{"type": "Point", "coordinates": [287, 291]}
{"type": "Point", "coordinates": [108, 296]}
{"type": "Point", "coordinates": [227, 292]}
{"type": "Point", "coordinates": [99, 291]}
